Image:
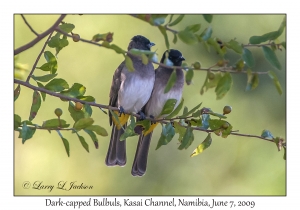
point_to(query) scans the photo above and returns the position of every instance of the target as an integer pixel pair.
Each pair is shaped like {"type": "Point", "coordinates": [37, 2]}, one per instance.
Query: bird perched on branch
{"type": "Point", "coordinates": [129, 91]}
{"type": "Point", "coordinates": [154, 106]}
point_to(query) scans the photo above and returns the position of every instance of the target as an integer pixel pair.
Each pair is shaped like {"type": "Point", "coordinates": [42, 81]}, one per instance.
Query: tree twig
{"type": "Point", "coordinates": [29, 26]}
{"type": "Point", "coordinates": [222, 69]}
{"type": "Point", "coordinates": [39, 37]}
{"type": "Point", "coordinates": [38, 58]}
{"type": "Point", "coordinates": [101, 106]}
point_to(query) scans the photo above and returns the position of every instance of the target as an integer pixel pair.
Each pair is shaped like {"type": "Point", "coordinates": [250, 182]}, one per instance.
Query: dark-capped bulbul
{"type": "Point", "coordinates": [156, 103]}
{"type": "Point", "coordinates": [129, 91]}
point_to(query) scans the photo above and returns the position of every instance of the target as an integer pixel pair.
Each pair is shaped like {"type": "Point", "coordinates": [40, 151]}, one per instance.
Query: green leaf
{"type": "Point", "coordinates": [17, 92]}
{"type": "Point", "coordinates": [166, 136]}
{"type": "Point", "coordinates": [168, 107]}
{"type": "Point", "coordinates": [35, 106]}
{"type": "Point", "coordinates": [145, 124]}
{"type": "Point", "coordinates": [86, 98]}
{"type": "Point", "coordinates": [42, 93]}
{"type": "Point", "coordinates": [176, 21]}
{"type": "Point", "coordinates": [93, 137]}
{"type": "Point", "coordinates": [83, 123]}
{"type": "Point", "coordinates": [216, 46]}
{"type": "Point", "coordinates": [218, 127]}
{"type": "Point", "coordinates": [180, 130]}
{"type": "Point", "coordinates": [206, 34]}
{"type": "Point", "coordinates": [117, 49]}
{"type": "Point", "coordinates": [140, 52]}
{"type": "Point", "coordinates": [187, 139]}
{"type": "Point", "coordinates": [129, 131]}
{"type": "Point", "coordinates": [276, 82]}
{"type": "Point", "coordinates": [58, 43]}
{"type": "Point", "coordinates": [214, 82]}
{"type": "Point", "coordinates": [267, 134]}
{"type": "Point", "coordinates": [224, 85]}
{"type": "Point", "coordinates": [66, 143]}
{"type": "Point", "coordinates": [171, 18]}
{"type": "Point", "coordinates": [67, 27]}
{"type": "Point", "coordinates": [108, 37]}
{"type": "Point", "coordinates": [283, 44]}
{"type": "Point", "coordinates": [87, 110]}
{"type": "Point", "coordinates": [189, 76]}
{"type": "Point", "coordinates": [144, 59]}
{"type": "Point", "coordinates": [268, 36]}
{"type": "Point", "coordinates": [175, 39]}
{"type": "Point", "coordinates": [51, 64]}
{"type": "Point", "coordinates": [234, 45]}
{"type": "Point", "coordinates": [17, 121]}
{"type": "Point", "coordinates": [76, 90]}
{"type": "Point", "coordinates": [171, 82]}
{"type": "Point", "coordinates": [204, 145]}
{"type": "Point", "coordinates": [208, 18]}
{"type": "Point", "coordinates": [216, 114]}
{"type": "Point", "coordinates": [176, 110]}
{"type": "Point", "coordinates": [187, 37]}
{"type": "Point", "coordinates": [98, 129]}
{"type": "Point", "coordinates": [192, 110]}
{"type": "Point", "coordinates": [248, 57]}
{"type": "Point", "coordinates": [57, 85]}
{"type": "Point", "coordinates": [55, 123]}
{"type": "Point", "coordinates": [129, 63]}
{"type": "Point", "coordinates": [193, 28]}
{"type": "Point", "coordinates": [185, 111]}
{"type": "Point", "coordinates": [162, 29]}
{"type": "Point", "coordinates": [26, 132]}
{"type": "Point", "coordinates": [44, 78]}
{"type": "Point", "coordinates": [271, 57]}
{"type": "Point", "coordinates": [83, 143]}
{"type": "Point", "coordinates": [253, 80]}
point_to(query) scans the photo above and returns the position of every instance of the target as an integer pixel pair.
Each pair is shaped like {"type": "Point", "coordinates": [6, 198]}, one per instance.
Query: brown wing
{"type": "Point", "coordinates": [114, 89]}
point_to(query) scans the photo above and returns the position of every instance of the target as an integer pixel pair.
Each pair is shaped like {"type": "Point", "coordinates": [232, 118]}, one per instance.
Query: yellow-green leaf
{"type": "Point", "coordinates": [83, 123]}
{"type": "Point", "coordinates": [276, 82]}
{"type": "Point", "coordinates": [224, 85]}
{"type": "Point", "coordinates": [168, 107]}
{"type": "Point", "coordinates": [176, 110]}
{"type": "Point", "coordinates": [162, 29]}
{"type": "Point", "coordinates": [129, 63]}
{"type": "Point", "coordinates": [177, 20]}
{"type": "Point", "coordinates": [98, 129]}
{"type": "Point", "coordinates": [204, 145]}
{"type": "Point", "coordinates": [171, 82]}
{"type": "Point", "coordinates": [208, 18]}
{"type": "Point", "coordinates": [187, 37]}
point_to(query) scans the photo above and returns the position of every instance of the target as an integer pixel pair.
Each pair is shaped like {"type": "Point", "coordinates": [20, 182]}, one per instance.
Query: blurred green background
{"type": "Point", "coordinates": [231, 166]}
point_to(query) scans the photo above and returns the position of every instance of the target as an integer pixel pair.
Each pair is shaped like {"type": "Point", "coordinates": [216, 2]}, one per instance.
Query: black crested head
{"type": "Point", "coordinates": [174, 55]}
{"type": "Point", "coordinates": [140, 42]}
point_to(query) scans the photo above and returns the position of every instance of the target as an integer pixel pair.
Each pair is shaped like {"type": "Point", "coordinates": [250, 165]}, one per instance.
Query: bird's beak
{"type": "Point", "coordinates": [151, 44]}
{"type": "Point", "coordinates": [182, 58]}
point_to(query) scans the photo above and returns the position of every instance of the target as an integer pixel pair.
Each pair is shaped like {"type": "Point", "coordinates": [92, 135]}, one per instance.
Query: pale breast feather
{"type": "Point", "coordinates": [134, 91]}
